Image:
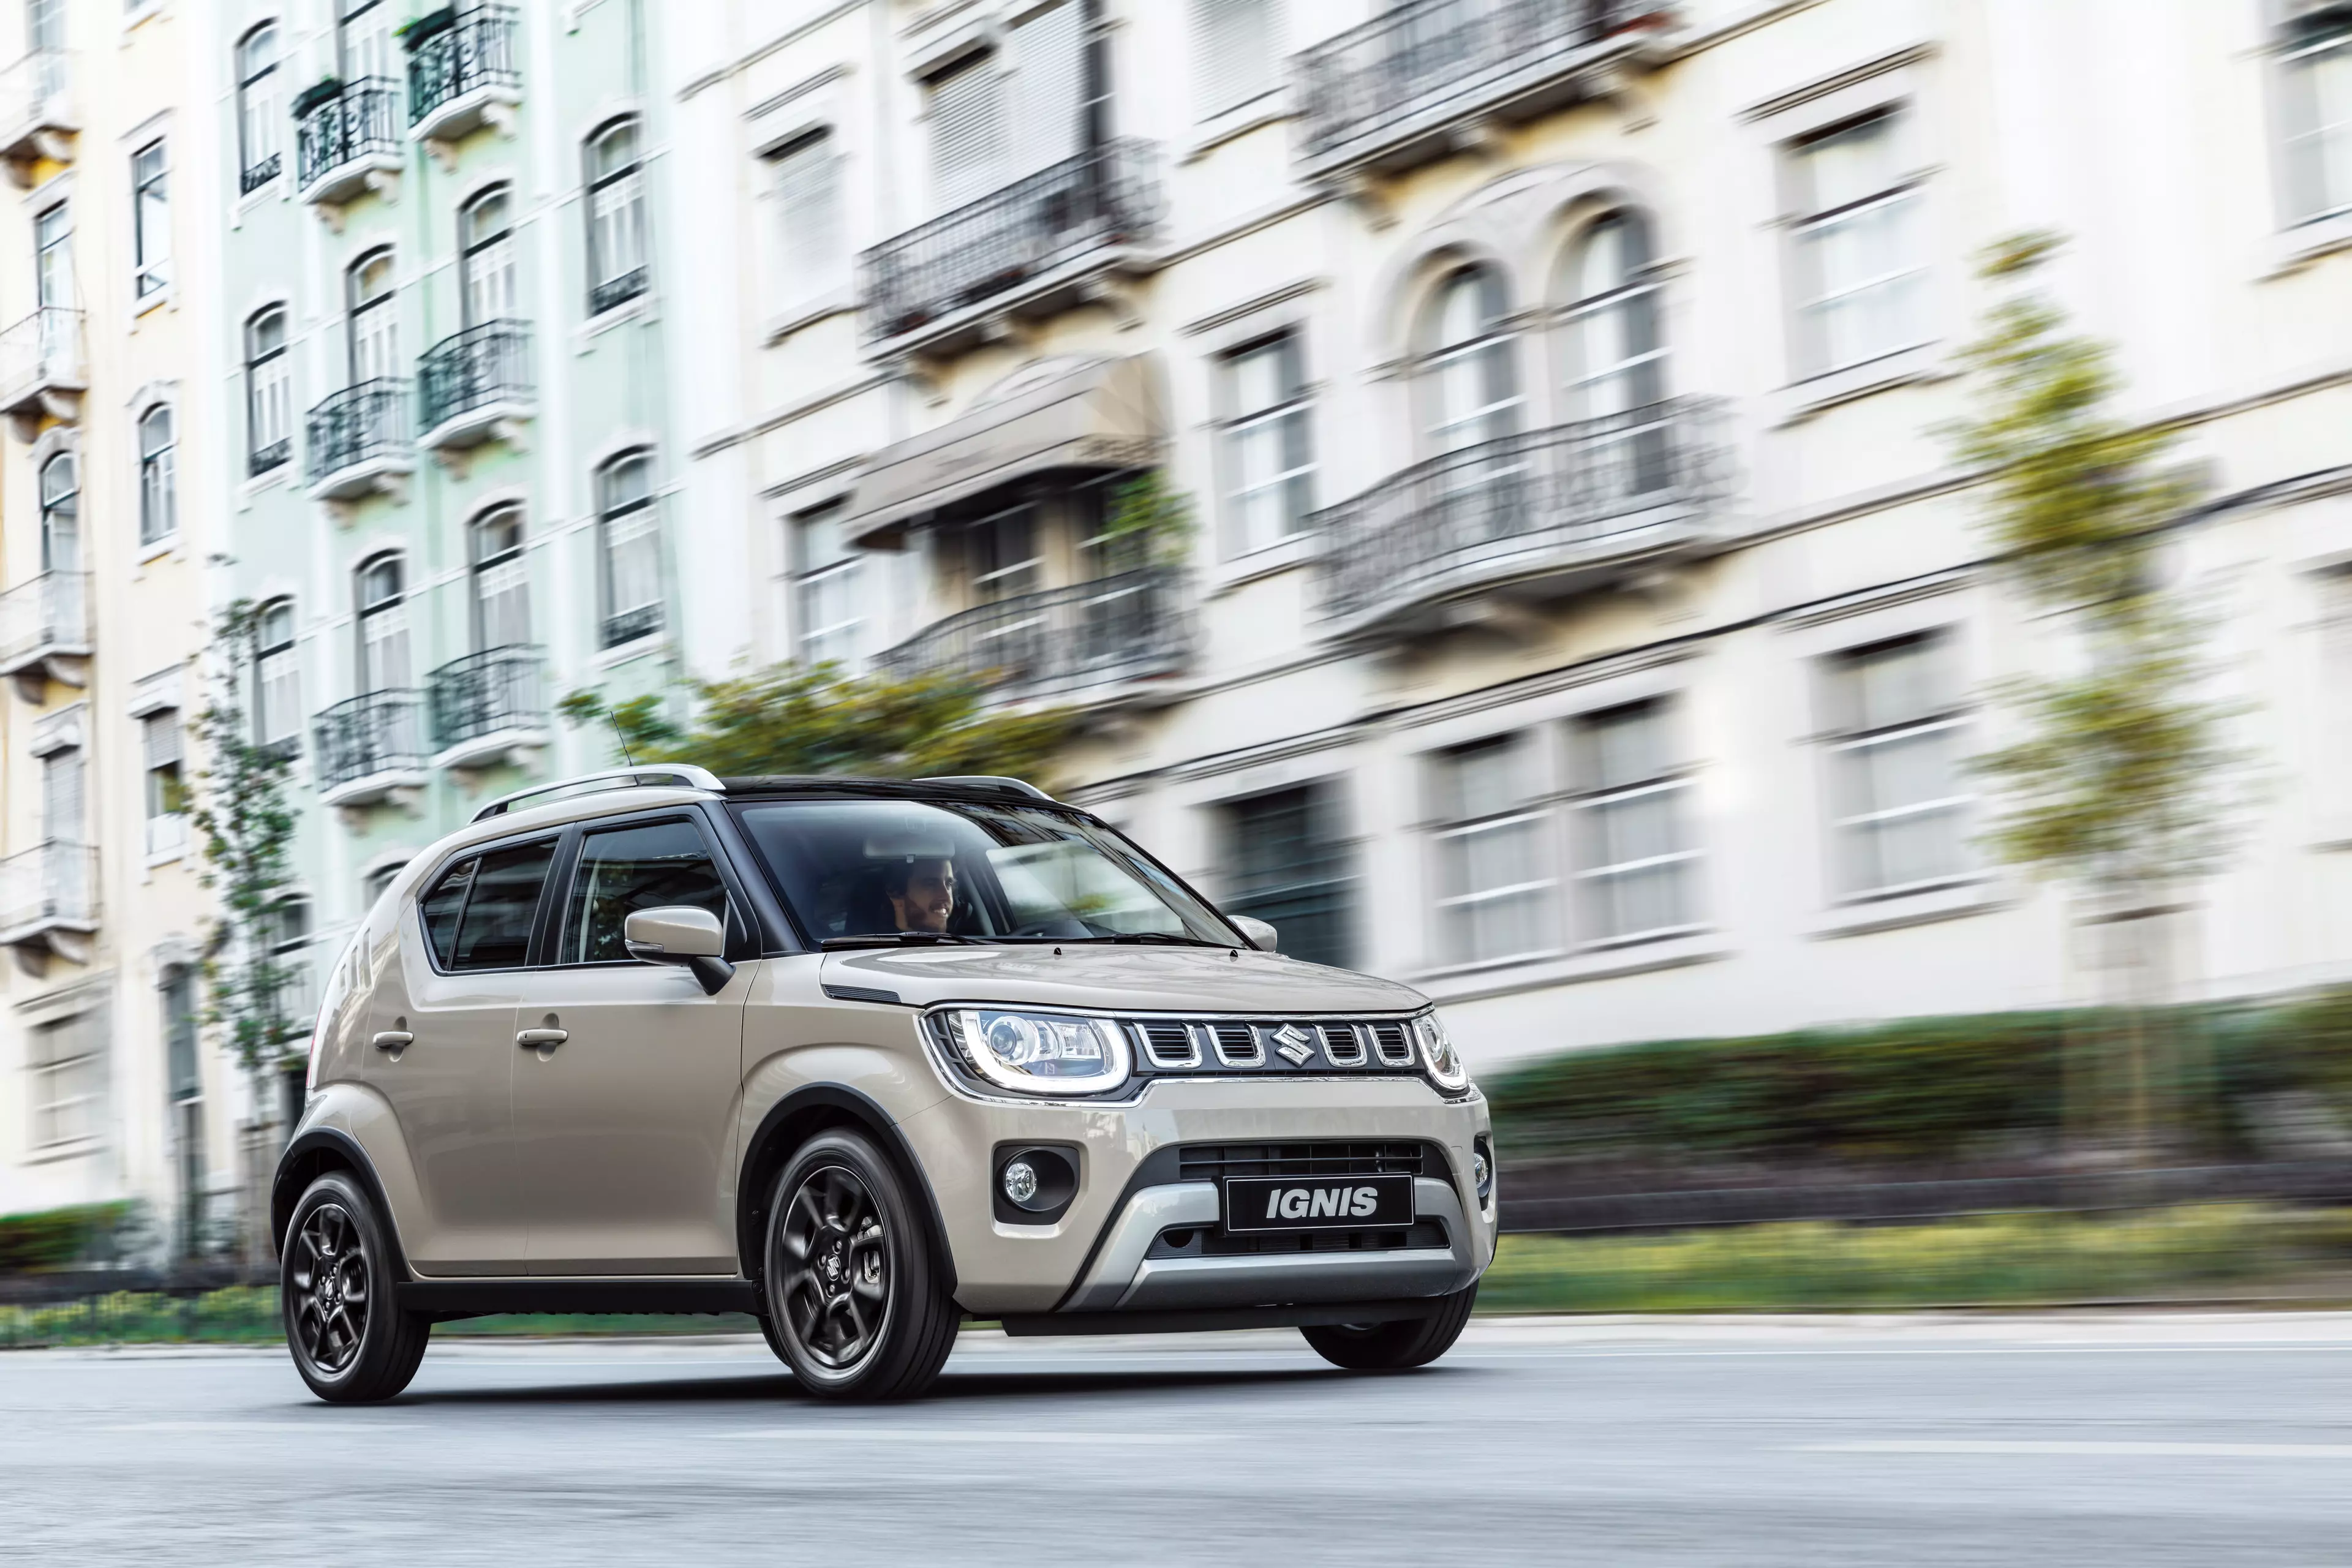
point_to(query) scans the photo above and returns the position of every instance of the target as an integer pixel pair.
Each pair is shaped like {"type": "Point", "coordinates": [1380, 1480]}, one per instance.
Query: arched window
{"type": "Point", "coordinates": [375, 336]}
{"type": "Point", "coordinates": [616, 217]}
{"type": "Point", "coordinates": [159, 505]}
{"type": "Point", "coordinates": [268, 392]}
{"type": "Point", "coordinates": [62, 514]}
{"type": "Point", "coordinates": [384, 626]}
{"type": "Point", "coordinates": [277, 679]}
{"type": "Point", "coordinates": [1469, 382]}
{"type": "Point", "coordinates": [1614, 359]}
{"type": "Point", "coordinates": [501, 582]}
{"type": "Point", "coordinates": [259, 157]}
{"type": "Point", "coordinates": [485, 257]}
{"type": "Point", "coordinates": [630, 548]}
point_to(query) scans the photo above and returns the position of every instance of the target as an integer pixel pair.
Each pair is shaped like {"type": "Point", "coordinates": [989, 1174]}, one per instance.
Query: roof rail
{"type": "Point", "coordinates": [683, 775]}
{"type": "Point", "coordinates": [987, 781]}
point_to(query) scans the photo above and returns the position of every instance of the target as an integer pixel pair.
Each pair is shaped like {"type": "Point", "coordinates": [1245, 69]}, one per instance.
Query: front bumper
{"type": "Point", "coordinates": [1098, 1257]}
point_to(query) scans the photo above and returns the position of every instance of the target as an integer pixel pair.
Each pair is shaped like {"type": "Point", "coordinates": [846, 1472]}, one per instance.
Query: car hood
{"type": "Point", "coordinates": [1139, 979]}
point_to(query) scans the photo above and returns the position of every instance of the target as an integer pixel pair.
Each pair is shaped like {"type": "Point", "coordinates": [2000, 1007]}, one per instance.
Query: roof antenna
{"type": "Point", "coordinates": [614, 719]}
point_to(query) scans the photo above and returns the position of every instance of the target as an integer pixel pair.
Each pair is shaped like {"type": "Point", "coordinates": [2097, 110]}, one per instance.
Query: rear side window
{"type": "Point", "coordinates": [478, 916]}
{"type": "Point", "coordinates": [657, 866]}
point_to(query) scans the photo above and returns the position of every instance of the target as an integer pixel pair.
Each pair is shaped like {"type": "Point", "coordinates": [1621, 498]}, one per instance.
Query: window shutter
{"type": "Point", "coordinates": [1237, 52]}
{"type": "Point", "coordinates": [162, 739]}
{"type": "Point", "coordinates": [967, 132]}
{"type": "Point", "coordinates": [1049, 55]}
{"type": "Point", "coordinates": [61, 798]}
{"type": "Point", "coordinates": [808, 203]}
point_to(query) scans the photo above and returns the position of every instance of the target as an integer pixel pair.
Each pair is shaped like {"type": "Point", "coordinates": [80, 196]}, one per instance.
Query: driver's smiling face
{"type": "Point", "coordinates": [929, 897]}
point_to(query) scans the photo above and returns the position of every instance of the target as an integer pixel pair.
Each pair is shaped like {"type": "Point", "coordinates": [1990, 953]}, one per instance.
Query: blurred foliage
{"type": "Point", "coordinates": [796, 719]}
{"type": "Point", "coordinates": [1148, 524]}
{"type": "Point", "coordinates": [52, 1239]}
{"type": "Point", "coordinates": [2204, 1251]}
{"type": "Point", "coordinates": [2244, 1081]}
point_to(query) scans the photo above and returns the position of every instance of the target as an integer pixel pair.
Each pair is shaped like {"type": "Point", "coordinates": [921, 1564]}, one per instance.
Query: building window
{"type": "Point", "coordinates": [1634, 859]}
{"type": "Point", "coordinates": [69, 1068]}
{"type": "Point", "coordinates": [486, 258]}
{"type": "Point", "coordinates": [630, 547]}
{"type": "Point", "coordinates": [61, 513]}
{"type": "Point", "coordinates": [384, 626]}
{"type": "Point", "coordinates": [1468, 378]}
{"type": "Point", "coordinates": [616, 218]}
{"type": "Point", "coordinates": [259, 155]}
{"type": "Point", "coordinates": [176, 999]}
{"type": "Point", "coordinates": [1615, 361]}
{"type": "Point", "coordinates": [150, 229]}
{"type": "Point", "coordinates": [2315, 102]}
{"type": "Point", "coordinates": [287, 931]}
{"type": "Point", "coordinates": [166, 788]}
{"type": "Point", "coordinates": [61, 816]}
{"type": "Point", "coordinates": [1269, 445]}
{"type": "Point", "coordinates": [811, 256]}
{"type": "Point", "coordinates": [371, 298]}
{"type": "Point", "coordinates": [268, 393]}
{"type": "Point", "coordinates": [1898, 807]}
{"type": "Point", "coordinates": [970, 149]}
{"type": "Point", "coordinates": [362, 39]}
{"type": "Point", "coordinates": [1493, 842]}
{"type": "Point", "coordinates": [828, 590]}
{"type": "Point", "coordinates": [1292, 868]}
{"type": "Point", "coordinates": [501, 582]}
{"type": "Point", "coordinates": [53, 277]}
{"type": "Point", "coordinates": [277, 680]}
{"type": "Point", "coordinates": [1860, 270]}
{"type": "Point", "coordinates": [1237, 52]}
{"type": "Point", "coordinates": [159, 514]}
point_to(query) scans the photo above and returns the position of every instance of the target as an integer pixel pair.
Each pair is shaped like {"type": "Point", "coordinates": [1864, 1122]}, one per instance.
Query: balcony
{"type": "Point", "coordinates": [38, 118]}
{"type": "Point", "coordinates": [486, 707]}
{"type": "Point", "coordinates": [370, 749]}
{"type": "Point", "coordinates": [45, 632]}
{"type": "Point", "coordinates": [475, 387]}
{"type": "Point", "coordinates": [43, 372]}
{"type": "Point", "coordinates": [1419, 80]}
{"type": "Point", "coordinates": [1058, 237]}
{"type": "Point", "coordinates": [1529, 517]}
{"type": "Point", "coordinates": [347, 142]}
{"type": "Point", "coordinates": [462, 75]}
{"type": "Point", "coordinates": [49, 902]}
{"type": "Point", "coordinates": [1102, 641]}
{"type": "Point", "coordinates": [359, 442]}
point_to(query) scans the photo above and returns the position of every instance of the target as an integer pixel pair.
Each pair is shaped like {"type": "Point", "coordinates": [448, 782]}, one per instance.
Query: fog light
{"type": "Point", "coordinates": [1020, 1182]}
{"type": "Point", "coordinates": [1480, 1171]}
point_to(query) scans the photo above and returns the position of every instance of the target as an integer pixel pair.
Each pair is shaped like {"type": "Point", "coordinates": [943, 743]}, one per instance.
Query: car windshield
{"type": "Point", "coordinates": [852, 868]}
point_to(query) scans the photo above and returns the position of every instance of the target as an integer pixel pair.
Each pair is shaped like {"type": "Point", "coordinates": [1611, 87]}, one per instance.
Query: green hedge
{"type": "Point", "coordinates": [1932, 1091]}
{"type": "Point", "coordinates": [55, 1237]}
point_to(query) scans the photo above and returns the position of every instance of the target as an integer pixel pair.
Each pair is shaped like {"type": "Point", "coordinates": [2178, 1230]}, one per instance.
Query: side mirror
{"type": "Point", "coordinates": [681, 934]}
{"type": "Point", "coordinates": [1261, 935]}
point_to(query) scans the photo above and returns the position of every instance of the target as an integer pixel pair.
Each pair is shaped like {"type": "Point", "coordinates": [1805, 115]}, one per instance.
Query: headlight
{"type": "Point", "coordinates": [1043, 1053]}
{"type": "Point", "coordinates": [1437, 1051]}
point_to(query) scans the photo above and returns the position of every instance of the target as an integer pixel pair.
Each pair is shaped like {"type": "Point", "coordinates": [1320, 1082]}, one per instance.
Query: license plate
{"type": "Point", "coordinates": [1316, 1203]}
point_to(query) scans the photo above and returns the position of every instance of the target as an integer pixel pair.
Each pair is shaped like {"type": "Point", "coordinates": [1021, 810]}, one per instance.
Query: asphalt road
{"type": "Point", "coordinates": [2205, 1440]}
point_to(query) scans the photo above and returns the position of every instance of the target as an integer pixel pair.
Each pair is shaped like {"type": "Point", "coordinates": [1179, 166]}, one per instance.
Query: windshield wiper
{"type": "Point", "coordinates": [897, 939]}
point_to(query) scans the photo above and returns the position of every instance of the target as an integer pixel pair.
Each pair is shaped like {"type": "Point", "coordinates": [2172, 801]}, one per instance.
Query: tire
{"type": "Point", "coordinates": [1395, 1347]}
{"type": "Point", "coordinates": [338, 1294]}
{"type": "Point", "coordinates": [851, 1290]}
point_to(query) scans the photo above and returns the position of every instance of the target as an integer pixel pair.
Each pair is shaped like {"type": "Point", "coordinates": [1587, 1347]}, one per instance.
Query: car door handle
{"type": "Point", "coordinates": [393, 1039]}
{"type": "Point", "coordinates": [541, 1036]}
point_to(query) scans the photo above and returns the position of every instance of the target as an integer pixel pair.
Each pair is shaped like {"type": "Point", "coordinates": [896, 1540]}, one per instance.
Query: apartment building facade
{"type": "Point", "coordinates": [1584, 620]}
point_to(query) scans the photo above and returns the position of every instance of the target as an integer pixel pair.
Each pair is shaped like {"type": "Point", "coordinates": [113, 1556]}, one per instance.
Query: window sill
{"type": "Point", "coordinates": [2293, 249]}
{"type": "Point", "coordinates": [636, 308]}
{"type": "Point", "coordinates": [79, 1149]}
{"type": "Point", "coordinates": [801, 317]}
{"type": "Point", "coordinates": [1266, 560]}
{"type": "Point", "coordinates": [623, 652]}
{"type": "Point", "coordinates": [274, 188]}
{"type": "Point", "coordinates": [147, 304]}
{"type": "Point", "coordinates": [1915, 366]}
{"type": "Point", "coordinates": [166, 856]}
{"type": "Point", "coordinates": [1635, 955]}
{"type": "Point", "coordinates": [1955, 899]}
{"type": "Point", "coordinates": [167, 545]}
{"type": "Point", "coordinates": [1271, 107]}
{"type": "Point", "coordinates": [253, 485]}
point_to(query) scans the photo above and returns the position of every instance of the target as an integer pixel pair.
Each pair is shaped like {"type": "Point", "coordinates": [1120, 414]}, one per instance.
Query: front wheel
{"type": "Point", "coordinates": [854, 1303]}
{"type": "Point", "coordinates": [344, 1326]}
{"type": "Point", "coordinates": [1393, 1347]}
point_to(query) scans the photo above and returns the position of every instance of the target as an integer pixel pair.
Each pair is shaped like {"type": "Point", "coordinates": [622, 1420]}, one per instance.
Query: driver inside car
{"type": "Point", "coordinates": [921, 893]}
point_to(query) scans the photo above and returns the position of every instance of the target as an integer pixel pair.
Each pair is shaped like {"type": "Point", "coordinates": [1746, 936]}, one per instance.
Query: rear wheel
{"type": "Point", "coordinates": [1393, 1347]}
{"type": "Point", "coordinates": [344, 1326]}
{"type": "Point", "coordinates": [853, 1300]}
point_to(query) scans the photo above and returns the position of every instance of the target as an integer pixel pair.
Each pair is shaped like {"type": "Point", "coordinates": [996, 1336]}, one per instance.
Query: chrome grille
{"type": "Point", "coordinates": [1169, 1045]}
{"type": "Point", "coordinates": [1394, 1043]}
{"type": "Point", "coordinates": [1237, 1045]}
{"type": "Point", "coordinates": [1273, 1045]}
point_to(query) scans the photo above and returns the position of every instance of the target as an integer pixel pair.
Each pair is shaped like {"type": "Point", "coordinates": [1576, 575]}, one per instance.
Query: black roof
{"type": "Point", "coordinates": [837, 786]}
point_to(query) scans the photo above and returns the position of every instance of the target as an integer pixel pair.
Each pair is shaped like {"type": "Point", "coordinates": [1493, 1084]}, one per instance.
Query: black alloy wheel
{"type": "Point", "coordinates": [853, 1298]}
{"type": "Point", "coordinates": [351, 1340]}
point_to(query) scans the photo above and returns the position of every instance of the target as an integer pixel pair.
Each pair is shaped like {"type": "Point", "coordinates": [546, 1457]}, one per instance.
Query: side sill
{"type": "Point", "coordinates": [479, 1298]}
{"type": "Point", "coordinates": [1022, 1325]}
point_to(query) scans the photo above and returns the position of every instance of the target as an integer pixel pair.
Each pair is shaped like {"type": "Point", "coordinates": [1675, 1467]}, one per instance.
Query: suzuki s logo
{"type": "Point", "coordinates": [1295, 1043]}
{"type": "Point", "coordinates": [1322, 1203]}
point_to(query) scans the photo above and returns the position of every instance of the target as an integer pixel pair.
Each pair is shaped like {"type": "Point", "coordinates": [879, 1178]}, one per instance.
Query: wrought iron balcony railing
{"type": "Point", "coordinates": [614, 291]}
{"type": "Point", "coordinates": [51, 887]}
{"type": "Point", "coordinates": [370, 736]}
{"type": "Point", "coordinates": [1441, 59]}
{"type": "Point", "coordinates": [483, 370]}
{"type": "Point", "coordinates": [474, 53]}
{"type": "Point", "coordinates": [354, 128]}
{"type": "Point", "coordinates": [40, 358]}
{"type": "Point", "coordinates": [260, 173]}
{"type": "Point", "coordinates": [362, 424]}
{"type": "Point", "coordinates": [495, 691]}
{"type": "Point", "coordinates": [44, 615]}
{"type": "Point", "coordinates": [1126, 626]}
{"type": "Point", "coordinates": [1545, 504]}
{"type": "Point", "coordinates": [628, 625]}
{"type": "Point", "coordinates": [1093, 204]}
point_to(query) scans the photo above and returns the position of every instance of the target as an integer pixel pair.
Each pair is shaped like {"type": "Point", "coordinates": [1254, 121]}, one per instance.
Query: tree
{"type": "Point", "coordinates": [2121, 780]}
{"type": "Point", "coordinates": [794, 719]}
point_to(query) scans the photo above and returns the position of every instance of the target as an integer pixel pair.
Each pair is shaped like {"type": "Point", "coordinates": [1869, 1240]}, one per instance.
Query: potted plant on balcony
{"type": "Point", "coordinates": [326, 89]}
{"type": "Point", "coordinates": [415, 33]}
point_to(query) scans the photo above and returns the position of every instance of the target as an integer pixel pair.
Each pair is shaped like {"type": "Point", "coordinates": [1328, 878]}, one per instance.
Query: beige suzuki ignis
{"type": "Point", "coordinates": [861, 1059]}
